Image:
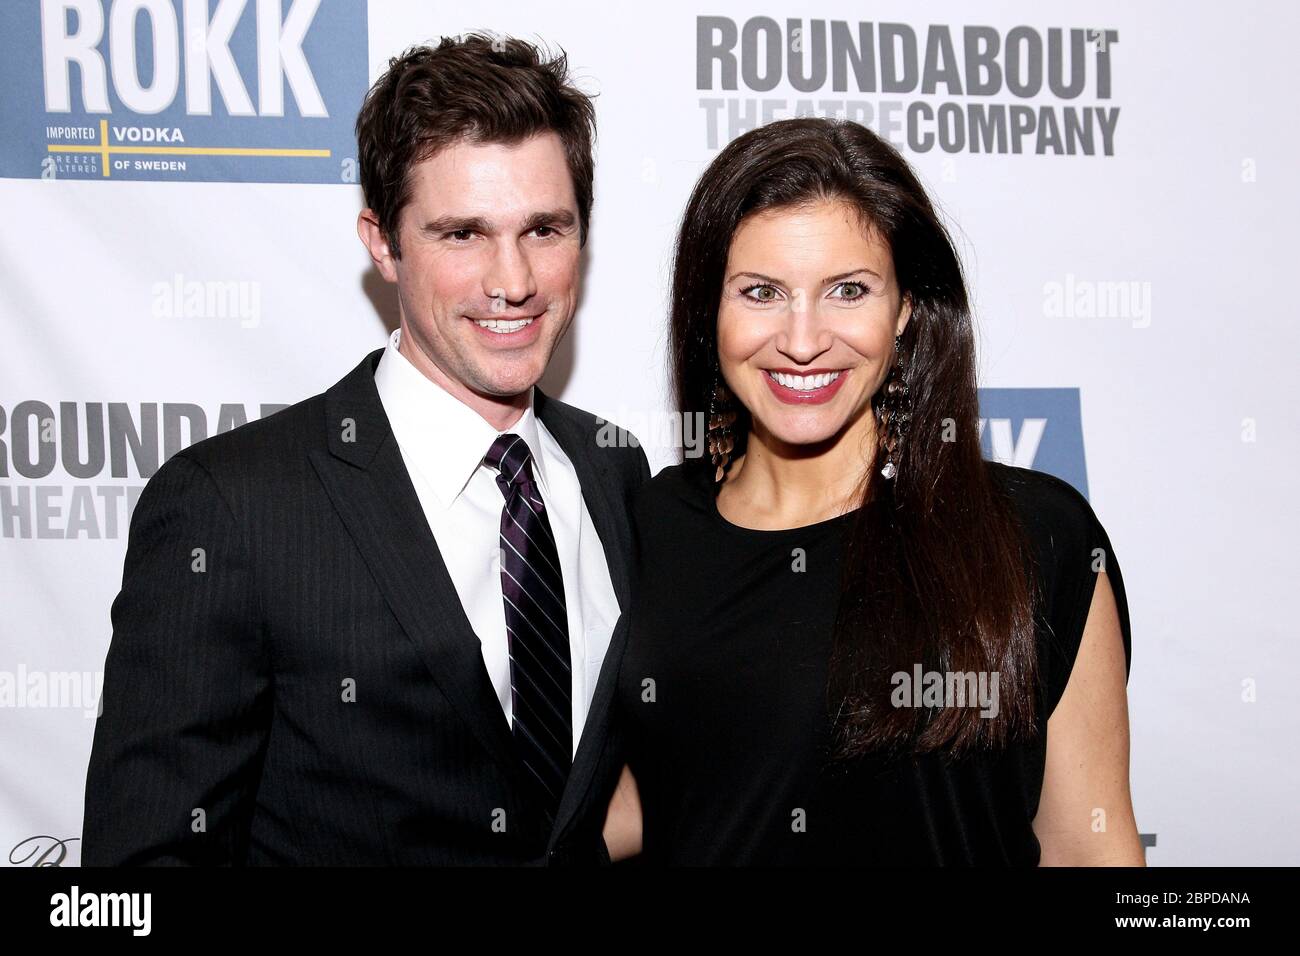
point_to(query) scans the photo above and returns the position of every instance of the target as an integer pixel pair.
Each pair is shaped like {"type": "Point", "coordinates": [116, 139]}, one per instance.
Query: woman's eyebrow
{"type": "Point", "coordinates": [827, 281]}
{"type": "Point", "coordinates": [852, 272]}
{"type": "Point", "coordinates": [756, 275]}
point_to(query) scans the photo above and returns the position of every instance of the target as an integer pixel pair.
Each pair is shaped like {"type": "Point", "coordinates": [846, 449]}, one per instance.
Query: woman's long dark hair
{"type": "Point", "coordinates": [936, 567]}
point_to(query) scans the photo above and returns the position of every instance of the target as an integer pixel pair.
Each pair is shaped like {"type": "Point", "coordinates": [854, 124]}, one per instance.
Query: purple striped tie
{"type": "Point", "coordinates": [537, 626]}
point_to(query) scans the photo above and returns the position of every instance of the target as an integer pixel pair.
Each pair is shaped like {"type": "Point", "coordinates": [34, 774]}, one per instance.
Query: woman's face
{"type": "Point", "coordinates": [810, 307]}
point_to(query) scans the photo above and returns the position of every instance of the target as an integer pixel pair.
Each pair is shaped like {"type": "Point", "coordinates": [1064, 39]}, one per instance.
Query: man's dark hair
{"type": "Point", "coordinates": [477, 88]}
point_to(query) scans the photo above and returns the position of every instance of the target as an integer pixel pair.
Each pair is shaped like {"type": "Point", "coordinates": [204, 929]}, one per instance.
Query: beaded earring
{"type": "Point", "coordinates": [722, 415]}
{"type": "Point", "coordinates": [895, 411]}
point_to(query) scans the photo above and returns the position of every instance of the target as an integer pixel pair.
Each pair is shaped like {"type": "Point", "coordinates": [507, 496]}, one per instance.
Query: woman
{"type": "Point", "coordinates": [854, 640]}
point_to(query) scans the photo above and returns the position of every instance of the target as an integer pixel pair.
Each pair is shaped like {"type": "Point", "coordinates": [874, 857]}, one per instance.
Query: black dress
{"type": "Point", "coordinates": [722, 691]}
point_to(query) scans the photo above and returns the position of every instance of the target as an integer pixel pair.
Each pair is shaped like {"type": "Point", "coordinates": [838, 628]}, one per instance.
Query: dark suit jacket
{"type": "Point", "coordinates": [292, 679]}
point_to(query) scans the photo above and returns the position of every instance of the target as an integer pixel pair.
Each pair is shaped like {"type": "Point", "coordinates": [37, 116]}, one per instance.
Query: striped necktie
{"type": "Point", "coordinates": [537, 626]}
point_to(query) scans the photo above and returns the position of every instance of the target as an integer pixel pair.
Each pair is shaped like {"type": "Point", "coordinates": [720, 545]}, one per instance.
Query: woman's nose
{"type": "Point", "coordinates": [805, 335]}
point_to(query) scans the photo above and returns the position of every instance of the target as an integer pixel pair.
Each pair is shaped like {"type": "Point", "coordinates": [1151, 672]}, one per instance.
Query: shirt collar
{"type": "Point", "coordinates": [442, 436]}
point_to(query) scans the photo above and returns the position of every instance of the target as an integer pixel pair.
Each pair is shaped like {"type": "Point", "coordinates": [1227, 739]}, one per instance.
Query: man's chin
{"type": "Point", "coordinates": [501, 387]}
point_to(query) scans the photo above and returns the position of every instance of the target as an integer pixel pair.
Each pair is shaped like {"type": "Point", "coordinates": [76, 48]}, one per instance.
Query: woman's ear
{"type": "Point", "coordinates": [904, 313]}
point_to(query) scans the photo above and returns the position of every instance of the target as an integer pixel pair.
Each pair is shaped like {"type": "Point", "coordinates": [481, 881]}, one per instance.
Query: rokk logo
{"type": "Point", "coordinates": [204, 90]}
{"type": "Point", "coordinates": [1038, 428]}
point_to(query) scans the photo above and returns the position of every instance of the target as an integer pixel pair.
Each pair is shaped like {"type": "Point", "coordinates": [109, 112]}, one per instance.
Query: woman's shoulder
{"type": "Point", "coordinates": [676, 491]}
{"type": "Point", "coordinates": [1070, 547]}
{"type": "Point", "coordinates": [1053, 512]}
{"type": "Point", "coordinates": [681, 483]}
{"type": "Point", "coordinates": [1063, 530]}
{"type": "Point", "coordinates": [1041, 492]}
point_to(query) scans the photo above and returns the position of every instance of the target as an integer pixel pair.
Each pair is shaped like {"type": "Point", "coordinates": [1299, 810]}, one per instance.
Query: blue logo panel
{"type": "Point", "coordinates": [1038, 428]}
{"type": "Point", "coordinates": [182, 90]}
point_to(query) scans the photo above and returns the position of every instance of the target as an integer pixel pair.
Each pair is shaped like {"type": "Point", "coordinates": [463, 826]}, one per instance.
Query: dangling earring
{"type": "Point", "coordinates": [896, 411]}
{"type": "Point", "coordinates": [722, 414]}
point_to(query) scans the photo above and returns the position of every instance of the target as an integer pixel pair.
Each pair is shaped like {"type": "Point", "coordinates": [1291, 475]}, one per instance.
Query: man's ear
{"type": "Point", "coordinates": [372, 237]}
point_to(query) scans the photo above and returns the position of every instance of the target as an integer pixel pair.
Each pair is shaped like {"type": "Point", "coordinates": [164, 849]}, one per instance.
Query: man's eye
{"type": "Point", "coordinates": [545, 231]}
{"type": "Point", "coordinates": [460, 235]}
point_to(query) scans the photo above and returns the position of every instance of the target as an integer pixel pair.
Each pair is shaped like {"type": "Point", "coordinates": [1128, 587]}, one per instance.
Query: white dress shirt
{"type": "Point", "coordinates": [443, 442]}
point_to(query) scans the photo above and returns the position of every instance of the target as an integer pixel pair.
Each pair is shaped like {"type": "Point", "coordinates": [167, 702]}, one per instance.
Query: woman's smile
{"type": "Point", "coordinates": [807, 387]}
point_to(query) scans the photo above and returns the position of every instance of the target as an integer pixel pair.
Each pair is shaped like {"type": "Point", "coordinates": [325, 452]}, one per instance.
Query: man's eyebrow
{"type": "Point", "coordinates": [827, 281]}
{"type": "Point", "coordinates": [561, 218]}
{"type": "Point", "coordinates": [455, 224]}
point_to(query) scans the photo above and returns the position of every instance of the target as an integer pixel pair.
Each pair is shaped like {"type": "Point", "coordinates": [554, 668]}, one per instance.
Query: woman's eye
{"type": "Point", "coordinates": [851, 290]}
{"type": "Point", "coordinates": [760, 293]}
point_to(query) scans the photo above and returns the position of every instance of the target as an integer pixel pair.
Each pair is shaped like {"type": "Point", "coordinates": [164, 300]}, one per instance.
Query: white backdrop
{"type": "Point", "coordinates": [1146, 279]}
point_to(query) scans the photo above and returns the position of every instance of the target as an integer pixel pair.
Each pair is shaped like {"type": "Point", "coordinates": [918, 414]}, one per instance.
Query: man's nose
{"type": "Point", "coordinates": [510, 279]}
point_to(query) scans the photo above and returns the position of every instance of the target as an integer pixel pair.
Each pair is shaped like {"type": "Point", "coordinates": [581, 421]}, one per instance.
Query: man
{"type": "Point", "coordinates": [379, 626]}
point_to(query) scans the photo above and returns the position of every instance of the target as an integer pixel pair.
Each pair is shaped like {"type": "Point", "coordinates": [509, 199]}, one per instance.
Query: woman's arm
{"type": "Point", "coordinates": [623, 821]}
{"type": "Point", "coordinates": [1085, 813]}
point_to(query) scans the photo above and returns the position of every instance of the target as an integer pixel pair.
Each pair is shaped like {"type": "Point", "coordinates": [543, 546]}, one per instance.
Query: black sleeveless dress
{"type": "Point", "coordinates": [722, 694]}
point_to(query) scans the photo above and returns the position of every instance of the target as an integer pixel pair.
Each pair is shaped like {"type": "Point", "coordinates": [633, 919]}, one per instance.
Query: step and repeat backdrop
{"type": "Point", "coordinates": [178, 256]}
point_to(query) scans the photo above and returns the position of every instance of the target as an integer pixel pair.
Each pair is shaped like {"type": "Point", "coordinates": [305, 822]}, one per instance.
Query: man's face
{"type": "Point", "coordinates": [488, 278]}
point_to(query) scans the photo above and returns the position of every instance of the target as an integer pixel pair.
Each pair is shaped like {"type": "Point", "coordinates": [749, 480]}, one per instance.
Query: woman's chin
{"type": "Point", "coordinates": [805, 434]}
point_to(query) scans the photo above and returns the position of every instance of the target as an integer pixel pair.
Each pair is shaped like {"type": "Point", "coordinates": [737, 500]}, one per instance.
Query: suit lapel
{"type": "Point", "coordinates": [612, 522]}
{"type": "Point", "coordinates": [367, 481]}
{"type": "Point", "coordinates": [594, 476]}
